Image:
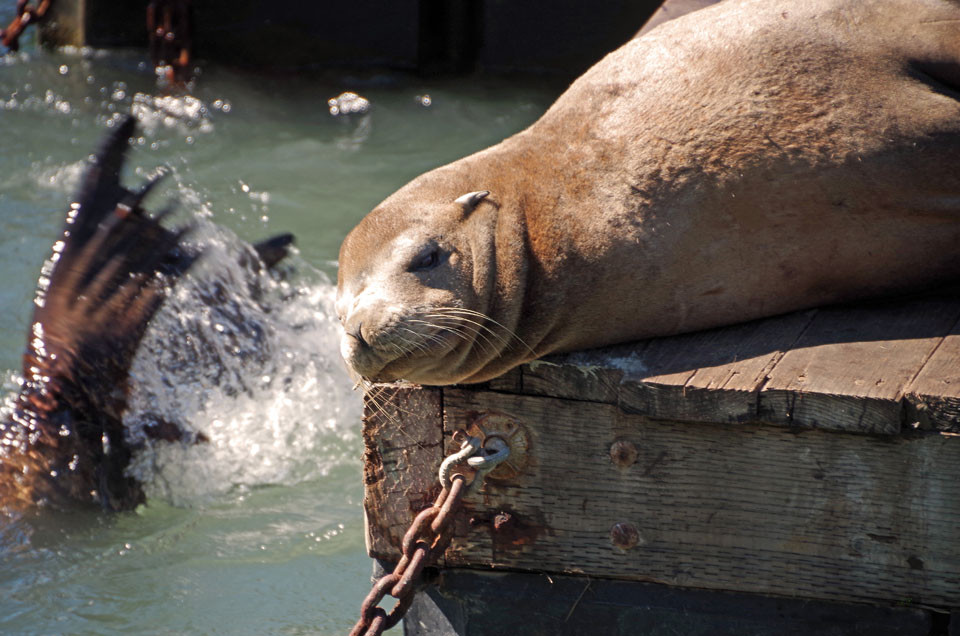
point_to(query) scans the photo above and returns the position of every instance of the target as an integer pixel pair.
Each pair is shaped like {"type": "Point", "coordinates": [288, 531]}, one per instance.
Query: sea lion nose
{"type": "Point", "coordinates": [358, 334]}
{"type": "Point", "coordinates": [353, 328]}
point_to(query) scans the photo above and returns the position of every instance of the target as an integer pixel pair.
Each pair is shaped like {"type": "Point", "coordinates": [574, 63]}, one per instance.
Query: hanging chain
{"type": "Point", "coordinates": [169, 28]}
{"type": "Point", "coordinates": [429, 534]}
{"type": "Point", "coordinates": [27, 14]}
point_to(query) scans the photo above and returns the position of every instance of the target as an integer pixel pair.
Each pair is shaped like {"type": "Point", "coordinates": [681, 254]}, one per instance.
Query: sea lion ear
{"type": "Point", "coordinates": [470, 200]}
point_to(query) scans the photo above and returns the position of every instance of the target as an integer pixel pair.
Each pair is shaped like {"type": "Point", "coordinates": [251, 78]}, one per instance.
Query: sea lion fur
{"type": "Point", "coordinates": [64, 443]}
{"type": "Point", "coordinates": [748, 159]}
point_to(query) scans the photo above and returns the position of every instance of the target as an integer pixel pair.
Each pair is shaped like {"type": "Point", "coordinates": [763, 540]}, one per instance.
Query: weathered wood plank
{"type": "Point", "coordinates": [509, 382]}
{"type": "Point", "coordinates": [711, 376]}
{"type": "Point", "coordinates": [849, 369]}
{"type": "Point", "coordinates": [933, 397]}
{"type": "Point", "coordinates": [753, 509]}
{"type": "Point", "coordinates": [402, 450]}
{"type": "Point", "coordinates": [594, 376]}
{"type": "Point", "coordinates": [470, 603]}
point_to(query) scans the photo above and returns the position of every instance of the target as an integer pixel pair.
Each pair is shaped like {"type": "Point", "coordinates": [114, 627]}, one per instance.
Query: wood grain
{"type": "Point", "coordinates": [859, 368]}
{"type": "Point", "coordinates": [711, 376]}
{"type": "Point", "coordinates": [933, 397]}
{"type": "Point", "coordinates": [402, 451]}
{"type": "Point", "coordinates": [815, 514]}
{"type": "Point", "coordinates": [850, 368]}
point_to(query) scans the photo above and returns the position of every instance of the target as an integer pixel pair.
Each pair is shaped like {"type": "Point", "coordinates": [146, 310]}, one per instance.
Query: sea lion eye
{"type": "Point", "coordinates": [428, 258]}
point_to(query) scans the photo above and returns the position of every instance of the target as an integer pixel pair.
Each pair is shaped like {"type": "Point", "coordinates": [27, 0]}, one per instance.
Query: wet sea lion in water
{"type": "Point", "coordinates": [96, 295]}
{"type": "Point", "coordinates": [748, 159]}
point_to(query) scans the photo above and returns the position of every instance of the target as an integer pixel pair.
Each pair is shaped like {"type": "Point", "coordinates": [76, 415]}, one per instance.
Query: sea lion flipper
{"type": "Point", "coordinates": [136, 198]}
{"type": "Point", "coordinates": [97, 293]}
{"type": "Point", "coordinates": [100, 190]}
{"type": "Point", "coordinates": [274, 249]}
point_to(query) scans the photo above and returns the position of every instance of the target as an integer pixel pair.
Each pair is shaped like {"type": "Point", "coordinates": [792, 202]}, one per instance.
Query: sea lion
{"type": "Point", "coordinates": [106, 279]}
{"type": "Point", "coordinates": [751, 158]}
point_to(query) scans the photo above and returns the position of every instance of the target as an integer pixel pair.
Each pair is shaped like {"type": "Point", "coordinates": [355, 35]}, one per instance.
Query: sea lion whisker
{"type": "Point", "coordinates": [419, 345]}
{"type": "Point", "coordinates": [412, 345]}
{"type": "Point", "coordinates": [379, 406]}
{"type": "Point", "coordinates": [456, 311]}
{"type": "Point", "coordinates": [478, 330]}
{"type": "Point", "coordinates": [482, 328]}
{"type": "Point", "coordinates": [401, 350]}
{"type": "Point", "coordinates": [509, 331]}
{"type": "Point", "coordinates": [435, 338]}
{"type": "Point", "coordinates": [460, 330]}
{"type": "Point", "coordinates": [375, 393]}
{"type": "Point", "coordinates": [443, 328]}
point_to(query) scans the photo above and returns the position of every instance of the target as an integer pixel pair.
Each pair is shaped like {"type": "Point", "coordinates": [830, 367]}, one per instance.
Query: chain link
{"type": "Point", "coordinates": [27, 14]}
{"type": "Point", "coordinates": [169, 29]}
{"type": "Point", "coordinates": [428, 536]}
{"type": "Point", "coordinates": [423, 543]}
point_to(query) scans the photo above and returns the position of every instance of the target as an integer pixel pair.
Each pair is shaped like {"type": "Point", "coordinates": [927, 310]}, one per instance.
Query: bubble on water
{"type": "Point", "coordinates": [185, 114]}
{"type": "Point", "coordinates": [348, 103]}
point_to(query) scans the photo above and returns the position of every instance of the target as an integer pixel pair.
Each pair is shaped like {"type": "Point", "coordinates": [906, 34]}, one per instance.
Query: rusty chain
{"type": "Point", "coordinates": [423, 543]}
{"type": "Point", "coordinates": [428, 536]}
{"type": "Point", "coordinates": [27, 14]}
{"type": "Point", "coordinates": [170, 31]}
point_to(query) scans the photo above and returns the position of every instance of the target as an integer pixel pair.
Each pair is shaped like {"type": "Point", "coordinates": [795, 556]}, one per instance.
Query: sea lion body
{"type": "Point", "coordinates": [64, 442]}
{"type": "Point", "coordinates": [745, 160]}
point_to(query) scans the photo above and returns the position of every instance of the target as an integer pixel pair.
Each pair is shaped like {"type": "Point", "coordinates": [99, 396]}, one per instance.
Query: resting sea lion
{"type": "Point", "coordinates": [748, 159]}
{"type": "Point", "coordinates": [97, 293]}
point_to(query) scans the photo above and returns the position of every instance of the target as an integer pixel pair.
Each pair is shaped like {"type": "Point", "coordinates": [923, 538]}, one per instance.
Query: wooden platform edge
{"type": "Point", "coordinates": [403, 446]}
{"type": "Point", "coordinates": [873, 368]}
{"type": "Point", "coordinates": [754, 509]}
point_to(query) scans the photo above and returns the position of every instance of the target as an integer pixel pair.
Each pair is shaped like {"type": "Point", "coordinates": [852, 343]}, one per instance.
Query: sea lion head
{"type": "Point", "coordinates": [412, 281]}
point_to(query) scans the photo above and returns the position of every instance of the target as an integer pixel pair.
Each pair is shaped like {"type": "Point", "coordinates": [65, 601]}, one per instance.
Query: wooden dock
{"type": "Point", "coordinates": [426, 36]}
{"type": "Point", "coordinates": [799, 474]}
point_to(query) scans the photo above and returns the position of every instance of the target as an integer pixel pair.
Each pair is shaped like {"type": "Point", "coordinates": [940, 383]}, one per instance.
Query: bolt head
{"type": "Point", "coordinates": [502, 520]}
{"type": "Point", "coordinates": [623, 453]}
{"type": "Point", "coordinates": [624, 535]}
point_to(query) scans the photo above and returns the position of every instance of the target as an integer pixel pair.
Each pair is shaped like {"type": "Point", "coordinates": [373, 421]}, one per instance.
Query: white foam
{"type": "Point", "coordinates": [250, 362]}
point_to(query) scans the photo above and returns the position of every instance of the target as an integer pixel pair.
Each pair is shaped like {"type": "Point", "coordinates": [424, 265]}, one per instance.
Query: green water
{"type": "Point", "coordinates": [261, 530]}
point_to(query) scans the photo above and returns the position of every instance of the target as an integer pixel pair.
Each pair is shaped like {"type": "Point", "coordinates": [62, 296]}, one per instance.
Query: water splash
{"type": "Point", "coordinates": [246, 360]}
{"type": "Point", "coordinates": [183, 113]}
{"type": "Point", "coordinates": [59, 178]}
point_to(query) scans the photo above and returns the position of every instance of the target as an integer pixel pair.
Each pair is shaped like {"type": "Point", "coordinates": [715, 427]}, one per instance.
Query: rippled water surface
{"type": "Point", "coordinates": [261, 529]}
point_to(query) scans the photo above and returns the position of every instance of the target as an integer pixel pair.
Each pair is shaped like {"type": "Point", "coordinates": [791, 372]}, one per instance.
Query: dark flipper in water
{"type": "Point", "coordinates": [97, 292]}
{"type": "Point", "coordinates": [274, 249]}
